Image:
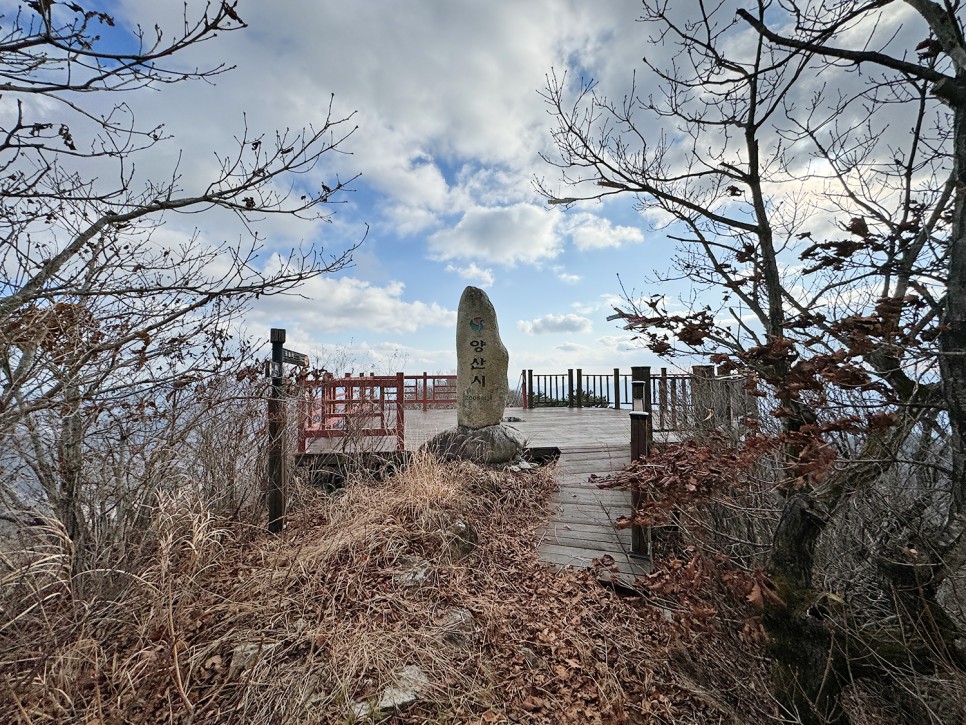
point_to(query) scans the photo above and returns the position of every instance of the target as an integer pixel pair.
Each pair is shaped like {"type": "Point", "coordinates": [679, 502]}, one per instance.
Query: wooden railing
{"type": "Point", "coordinates": [373, 405]}
{"type": "Point", "coordinates": [676, 401]}
{"type": "Point", "coordinates": [429, 392]}
{"type": "Point", "coordinates": [575, 389]}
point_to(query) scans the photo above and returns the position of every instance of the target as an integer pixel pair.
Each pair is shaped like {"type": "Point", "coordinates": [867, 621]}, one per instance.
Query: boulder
{"type": "Point", "coordinates": [413, 572]}
{"type": "Point", "coordinates": [458, 627]}
{"type": "Point", "coordinates": [461, 540]}
{"type": "Point", "coordinates": [406, 688]}
{"type": "Point", "coordinates": [490, 445]}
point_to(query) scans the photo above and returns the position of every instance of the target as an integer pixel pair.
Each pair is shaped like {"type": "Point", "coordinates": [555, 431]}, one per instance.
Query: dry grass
{"type": "Point", "coordinates": [232, 625]}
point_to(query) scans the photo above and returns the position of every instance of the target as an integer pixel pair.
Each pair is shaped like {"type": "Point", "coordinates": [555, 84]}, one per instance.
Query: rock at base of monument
{"type": "Point", "coordinates": [491, 445]}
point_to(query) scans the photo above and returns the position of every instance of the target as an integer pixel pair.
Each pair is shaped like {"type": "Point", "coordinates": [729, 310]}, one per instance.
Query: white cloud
{"type": "Point", "coordinates": [346, 303]}
{"type": "Point", "coordinates": [589, 231]}
{"type": "Point", "coordinates": [473, 273]}
{"type": "Point", "coordinates": [407, 220]}
{"type": "Point", "coordinates": [619, 343]}
{"type": "Point", "coordinates": [572, 347]}
{"type": "Point", "coordinates": [440, 88]}
{"type": "Point", "coordinates": [450, 130]}
{"type": "Point", "coordinates": [384, 358]}
{"type": "Point", "coordinates": [605, 303]}
{"type": "Point", "coordinates": [565, 276]}
{"type": "Point", "coordinates": [505, 235]}
{"type": "Point", "coordinates": [555, 323]}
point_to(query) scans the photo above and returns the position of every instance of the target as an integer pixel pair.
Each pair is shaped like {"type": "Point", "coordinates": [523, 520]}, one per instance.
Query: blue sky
{"type": "Point", "coordinates": [451, 127]}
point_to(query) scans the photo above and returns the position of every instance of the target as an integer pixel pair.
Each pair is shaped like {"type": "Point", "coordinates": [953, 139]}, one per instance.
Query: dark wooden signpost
{"type": "Point", "coordinates": [641, 437]}
{"type": "Point", "coordinates": [275, 489]}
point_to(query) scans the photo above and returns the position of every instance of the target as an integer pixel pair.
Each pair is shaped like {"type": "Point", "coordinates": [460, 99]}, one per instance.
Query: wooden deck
{"type": "Point", "coordinates": [591, 441]}
{"type": "Point", "coordinates": [542, 427]}
{"type": "Point", "coordinates": [581, 532]}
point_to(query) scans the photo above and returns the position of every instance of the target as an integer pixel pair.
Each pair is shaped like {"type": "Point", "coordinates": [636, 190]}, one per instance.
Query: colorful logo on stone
{"type": "Point", "coordinates": [476, 324]}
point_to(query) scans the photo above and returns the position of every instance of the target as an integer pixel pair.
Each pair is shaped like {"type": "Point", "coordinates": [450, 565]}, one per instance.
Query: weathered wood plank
{"type": "Point", "coordinates": [577, 527]}
{"type": "Point", "coordinates": [587, 494]}
{"type": "Point", "coordinates": [578, 559]}
{"type": "Point", "coordinates": [588, 538]}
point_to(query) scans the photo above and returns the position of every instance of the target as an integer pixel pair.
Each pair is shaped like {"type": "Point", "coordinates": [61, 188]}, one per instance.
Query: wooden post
{"type": "Point", "coordinates": [702, 382]}
{"type": "Point", "coordinates": [275, 494]}
{"type": "Point", "coordinates": [530, 387]}
{"type": "Point", "coordinates": [617, 388]}
{"type": "Point", "coordinates": [662, 399]}
{"type": "Point", "coordinates": [400, 412]}
{"type": "Point", "coordinates": [724, 394]}
{"type": "Point", "coordinates": [637, 388]}
{"type": "Point", "coordinates": [580, 388]}
{"type": "Point", "coordinates": [570, 388]}
{"type": "Point", "coordinates": [425, 392]}
{"type": "Point", "coordinates": [676, 403]}
{"type": "Point", "coordinates": [303, 403]}
{"type": "Point", "coordinates": [641, 435]}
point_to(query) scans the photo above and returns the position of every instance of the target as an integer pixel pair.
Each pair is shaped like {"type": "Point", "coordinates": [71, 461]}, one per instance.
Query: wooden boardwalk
{"type": "Point", "coordinates": [591, 441]}
{"type": "Point", "coordinates": [581, 532]}
{"type": "Point", "coordinates": [542, 427]}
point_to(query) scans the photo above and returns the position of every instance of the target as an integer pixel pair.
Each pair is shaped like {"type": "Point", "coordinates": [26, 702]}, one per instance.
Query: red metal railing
{"type": "Point", "coordinates": [429, 391]}
{"type": "Point", "coordinates": [368, 405]}
{"type": "Point", "coordinates": [352, 406]}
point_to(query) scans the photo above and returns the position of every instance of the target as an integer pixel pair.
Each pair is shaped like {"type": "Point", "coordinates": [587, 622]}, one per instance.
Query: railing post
{"type": "Point", "coordinates": [580, 388]}
{"type": "Point", "coordinates": [702, 381]}
{"type": "Point", "coordinates": [638, 383]}
{"type": "Point", "coordinates": [530, 387]}
{"type": "Point", "coordinates": [723, 397]}
{"type": "Point", "coordinates": [641, 436]}
{"type": "Point", "coordinates": [648, 396]}
{"type": "Point", "coordinates": [662, 399]}
{"type": "Point", "coordinates": [400, 412]}
{"type": "Point", "coordinates": [425, 392]}
{"type": "Point", "coordinates": [303, 401]}
{"type": "Point", "coordinates": [617, 388]}
{"type": "Point", "coordinates": [570, 388]}
{"type": "Point", "coordinates": [275, 495]}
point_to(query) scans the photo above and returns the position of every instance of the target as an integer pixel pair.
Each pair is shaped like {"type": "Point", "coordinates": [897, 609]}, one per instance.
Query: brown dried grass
{"type": "Point", "coordinates": [225, 624]}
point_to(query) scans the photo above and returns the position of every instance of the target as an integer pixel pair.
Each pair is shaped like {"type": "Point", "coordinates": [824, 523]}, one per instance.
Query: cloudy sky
{"type": "Point", "coordinates": [450, 130]}
{"type": "Point", "coordinates": [451, 127]}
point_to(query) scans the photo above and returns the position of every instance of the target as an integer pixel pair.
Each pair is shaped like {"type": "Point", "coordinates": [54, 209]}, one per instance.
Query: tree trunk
{"type": "Point", "coordinates": [952, 359]}
{"type": "Point", "coordinates": [71, 470]}
{"type": "Point", "coordinates": [801, 646]}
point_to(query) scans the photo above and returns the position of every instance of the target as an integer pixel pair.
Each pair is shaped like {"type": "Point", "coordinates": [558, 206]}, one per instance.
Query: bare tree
{"type": "Point", "coordinates": [96, 310]}
{"type": "Point", "coordinates": [812, 177]}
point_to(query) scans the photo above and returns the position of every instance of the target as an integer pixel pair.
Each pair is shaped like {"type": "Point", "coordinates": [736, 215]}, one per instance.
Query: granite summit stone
{"type": "Point", "coordinates": [481, 363]}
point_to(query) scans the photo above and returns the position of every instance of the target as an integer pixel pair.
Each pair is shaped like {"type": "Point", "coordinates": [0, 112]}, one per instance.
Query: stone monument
{"type": "Point", "coordinates": [481, 363]}
{"type": "Point", "coordinates": [481, 388]}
